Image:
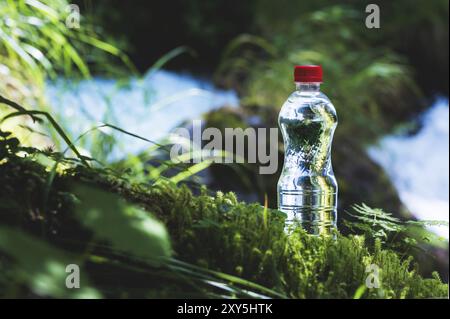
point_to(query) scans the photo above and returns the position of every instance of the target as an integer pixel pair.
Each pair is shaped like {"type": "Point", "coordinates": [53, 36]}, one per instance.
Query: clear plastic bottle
{"type": "Point", "coordinates": [307, 188]}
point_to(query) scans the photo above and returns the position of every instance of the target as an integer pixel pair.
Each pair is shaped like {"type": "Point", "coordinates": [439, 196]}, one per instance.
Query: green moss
{"type": "Point", "coordinates": [213, 232]}
{"type": "Point", "coordinates": [229, 236]}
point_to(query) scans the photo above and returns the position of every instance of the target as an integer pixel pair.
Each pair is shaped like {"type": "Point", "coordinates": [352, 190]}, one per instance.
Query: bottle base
{"type": "Point", "coordinates": [314, 220]}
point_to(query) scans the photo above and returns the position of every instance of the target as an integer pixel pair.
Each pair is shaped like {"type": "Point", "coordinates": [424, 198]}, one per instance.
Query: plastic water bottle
{"type": "Point", "coordinates": [307, 188]}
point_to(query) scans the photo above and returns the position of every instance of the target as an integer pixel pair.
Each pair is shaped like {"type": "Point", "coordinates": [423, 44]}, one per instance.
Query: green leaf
{"type": "Point", "coordinates": [360, 292]}
{"type": "Point", "coordinates": [42, 267]}
{"type": "Point", "coordinates": [129, 229]}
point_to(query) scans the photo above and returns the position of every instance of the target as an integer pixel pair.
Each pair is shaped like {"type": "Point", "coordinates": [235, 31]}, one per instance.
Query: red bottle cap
{"type": "Point", "coordinates": [308, 73]}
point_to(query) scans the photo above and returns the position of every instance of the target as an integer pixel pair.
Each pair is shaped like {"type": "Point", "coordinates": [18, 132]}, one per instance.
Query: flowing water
{"type": "Point", "coordinates": [150, 107]}
{"type": "Point", "coordinates": [418, 165]}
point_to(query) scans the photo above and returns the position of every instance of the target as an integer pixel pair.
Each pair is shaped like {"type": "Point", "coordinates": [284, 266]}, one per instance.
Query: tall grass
{"type": "Point", "coordinates": [36, 43]}
{"type": "Point", "coordinates": [37, 46]}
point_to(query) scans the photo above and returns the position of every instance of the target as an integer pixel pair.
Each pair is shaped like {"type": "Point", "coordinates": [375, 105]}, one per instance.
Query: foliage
{"type": "Point", "coordinates": [37, 45]}
{"type": "Point", "coordinates": [420, 37]}
{"type": "Point", "coordinates": [150, 165]}
{"type": "Point", "coordinates": [404, 236]}
{"type": "Point", "coordinates": [64, 220]}
{"type": "Point", "coordinates": [375, 77]}
{"type": "Point", "coordinates": [205, 26]}
{"type": "Point", "coordinates": [36, 42]}
{"type": "Point", "coordinates": [220, 247]}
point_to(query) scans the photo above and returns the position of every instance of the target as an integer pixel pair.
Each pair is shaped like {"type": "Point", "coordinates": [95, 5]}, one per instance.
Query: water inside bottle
{"type": "Point", "coordinates": [307, 188]}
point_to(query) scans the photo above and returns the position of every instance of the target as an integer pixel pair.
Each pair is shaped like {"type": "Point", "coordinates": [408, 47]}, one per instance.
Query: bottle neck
{"type": "Point", "coordinates": [307, 86]}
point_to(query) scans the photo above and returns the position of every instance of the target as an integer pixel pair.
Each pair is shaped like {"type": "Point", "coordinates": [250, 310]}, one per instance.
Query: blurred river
{"type": "Point", "coordinates": [150, 107]}
{"type": "Point", "coordinates": [418, 165]}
